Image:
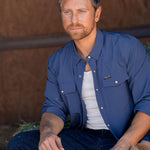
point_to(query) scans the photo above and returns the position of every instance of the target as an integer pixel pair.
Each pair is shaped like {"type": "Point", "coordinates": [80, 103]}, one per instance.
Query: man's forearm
{"type": "Point", "coordinates": [139, 127]}
{"type": "Point", "coordinates": [50, 126]}
{"type": "Point", "coordinates": [51, 123]}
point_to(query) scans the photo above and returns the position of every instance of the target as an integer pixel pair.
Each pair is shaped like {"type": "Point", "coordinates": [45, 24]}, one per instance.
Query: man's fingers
{"type": "Point", "coordinates": [52, 143]}
{"type": "Point", "coordinates": [42, 147]}
{"type": "Point", "coordinates": [59, 144]}
{"type": "Point", "coordinates": [47, 144]}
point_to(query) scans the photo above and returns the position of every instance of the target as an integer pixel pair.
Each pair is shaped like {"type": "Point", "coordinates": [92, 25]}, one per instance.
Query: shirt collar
{"type": "Point", "coordinates": [95, 52]}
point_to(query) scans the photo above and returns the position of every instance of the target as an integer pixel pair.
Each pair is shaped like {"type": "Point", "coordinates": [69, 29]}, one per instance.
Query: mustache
{"type": "Point", "coordinates": [75, 25]}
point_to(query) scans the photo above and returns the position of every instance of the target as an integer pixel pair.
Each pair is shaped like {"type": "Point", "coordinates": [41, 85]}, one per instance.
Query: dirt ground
{"type": "Point", "coordinates": [6, 133]}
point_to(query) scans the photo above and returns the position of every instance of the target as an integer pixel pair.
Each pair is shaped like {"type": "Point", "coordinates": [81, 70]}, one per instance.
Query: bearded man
{"type": "Point", "coordinates": [101, 79]}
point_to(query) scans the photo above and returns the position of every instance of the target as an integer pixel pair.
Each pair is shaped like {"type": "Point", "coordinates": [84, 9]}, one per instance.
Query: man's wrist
{"type": "Point", "coordinates": [125, 141]}
{"type": "Point", "coordinates": [45, 131]}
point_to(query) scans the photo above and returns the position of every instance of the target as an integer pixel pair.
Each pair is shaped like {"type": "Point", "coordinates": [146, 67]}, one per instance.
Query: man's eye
{"type": "Point", "coordinates": [67, 12]}
{"type": "Point", "coordinates": [82, 11]}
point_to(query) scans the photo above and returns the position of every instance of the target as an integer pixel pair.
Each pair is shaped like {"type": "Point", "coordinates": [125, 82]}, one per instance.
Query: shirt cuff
{"type": "Point", "coordinates": [143, 106]}
{"type": "Point", "coordinates": [55, 111]}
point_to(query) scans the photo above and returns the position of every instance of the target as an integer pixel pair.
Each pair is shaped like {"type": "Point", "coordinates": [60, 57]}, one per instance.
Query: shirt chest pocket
{"type": "Point", "coordinates": [115, 79]}
{"type": "Point", "coordinates": [71, 98]}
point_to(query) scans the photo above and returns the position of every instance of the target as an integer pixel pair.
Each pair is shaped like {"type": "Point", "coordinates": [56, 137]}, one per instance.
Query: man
{"type": "Point", "coordinates": [101, 79]}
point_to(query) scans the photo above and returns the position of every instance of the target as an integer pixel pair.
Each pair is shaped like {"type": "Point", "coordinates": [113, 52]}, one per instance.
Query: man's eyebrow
{"type": "Point", "coordinates": [83, 8]}
{"type": "Point", "coordinates": [64, 9]}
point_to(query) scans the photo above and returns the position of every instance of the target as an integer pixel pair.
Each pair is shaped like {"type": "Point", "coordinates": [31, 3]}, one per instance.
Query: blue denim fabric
{"type": "Point", "coordinates": [72, 139]}
{"type": "Point", "coordinates": [25, 141]}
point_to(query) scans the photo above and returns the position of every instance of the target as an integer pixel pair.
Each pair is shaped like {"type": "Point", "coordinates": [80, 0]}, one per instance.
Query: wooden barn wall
{"type": "Point", "coordinates": [23, 71]}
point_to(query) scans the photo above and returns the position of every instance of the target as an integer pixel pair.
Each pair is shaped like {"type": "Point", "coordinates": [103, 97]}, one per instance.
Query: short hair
{"type": "Point", "coordinates": [95, 3]}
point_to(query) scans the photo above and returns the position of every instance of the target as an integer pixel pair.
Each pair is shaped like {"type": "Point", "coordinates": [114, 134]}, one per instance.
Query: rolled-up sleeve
{"type": "Point", "coordinates": [53, 103]}
{"type": "Point", "coordinates": [139, 73]}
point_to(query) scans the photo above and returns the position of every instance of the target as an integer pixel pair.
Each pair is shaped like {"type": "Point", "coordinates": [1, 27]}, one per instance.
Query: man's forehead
{"type": "Point", "coordinates": [75, 3]}
{"type": "Point", "coordinates": [96, 1]}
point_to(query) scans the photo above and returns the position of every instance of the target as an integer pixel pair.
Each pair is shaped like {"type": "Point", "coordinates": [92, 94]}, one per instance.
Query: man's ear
{"type": "Point", "coordinates": [98, 13]}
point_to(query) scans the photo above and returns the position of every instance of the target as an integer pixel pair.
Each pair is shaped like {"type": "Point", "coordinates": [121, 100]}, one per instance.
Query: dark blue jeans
{"type": "Point", "coordinates": [72, 139]}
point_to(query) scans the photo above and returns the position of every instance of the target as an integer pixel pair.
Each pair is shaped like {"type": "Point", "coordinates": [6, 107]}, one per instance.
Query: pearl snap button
{"type": "Point", "coordinates": [116, 82]}
{"type": "Point", "coordinates": [89, 57]}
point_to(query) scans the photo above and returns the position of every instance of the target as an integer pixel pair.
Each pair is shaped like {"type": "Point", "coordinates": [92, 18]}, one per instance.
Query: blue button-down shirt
{"type": "Point", "coordinates": [121, 74]}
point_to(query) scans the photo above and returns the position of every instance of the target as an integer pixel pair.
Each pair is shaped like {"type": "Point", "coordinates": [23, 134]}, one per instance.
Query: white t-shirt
{"type": "Point", "coordinates": [94, 117]}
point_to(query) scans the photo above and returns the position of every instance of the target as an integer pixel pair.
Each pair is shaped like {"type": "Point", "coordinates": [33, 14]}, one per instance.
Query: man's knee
{"type": "Point", "coordinates": [15, 143]}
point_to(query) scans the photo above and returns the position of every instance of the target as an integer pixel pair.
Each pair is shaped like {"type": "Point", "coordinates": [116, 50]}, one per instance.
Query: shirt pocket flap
{"type": "Point", "coordinates": [67, 89]}
{"type": "Point", "coordinates": [115, 79]}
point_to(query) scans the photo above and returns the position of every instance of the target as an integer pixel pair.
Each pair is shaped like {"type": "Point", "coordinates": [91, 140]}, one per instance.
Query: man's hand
{"type": "Point", "coordinates": [50, 141]}
{"type": "Point", "coordinates": [50, 127]}
{"type": "Point", "coordinates": [122, 145]}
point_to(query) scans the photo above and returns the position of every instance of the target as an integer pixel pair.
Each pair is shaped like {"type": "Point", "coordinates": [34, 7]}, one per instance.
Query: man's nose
{"type": "Point", "coordinates": [74, 18]}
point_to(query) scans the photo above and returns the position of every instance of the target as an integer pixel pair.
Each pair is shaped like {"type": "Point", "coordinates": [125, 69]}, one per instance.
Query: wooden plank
{"type": "Point", "coordinates": [61, 38]}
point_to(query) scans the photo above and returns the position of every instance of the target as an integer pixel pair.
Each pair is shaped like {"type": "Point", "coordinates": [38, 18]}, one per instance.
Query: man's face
{"type": "Point", "coordinates": [79, 18]}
